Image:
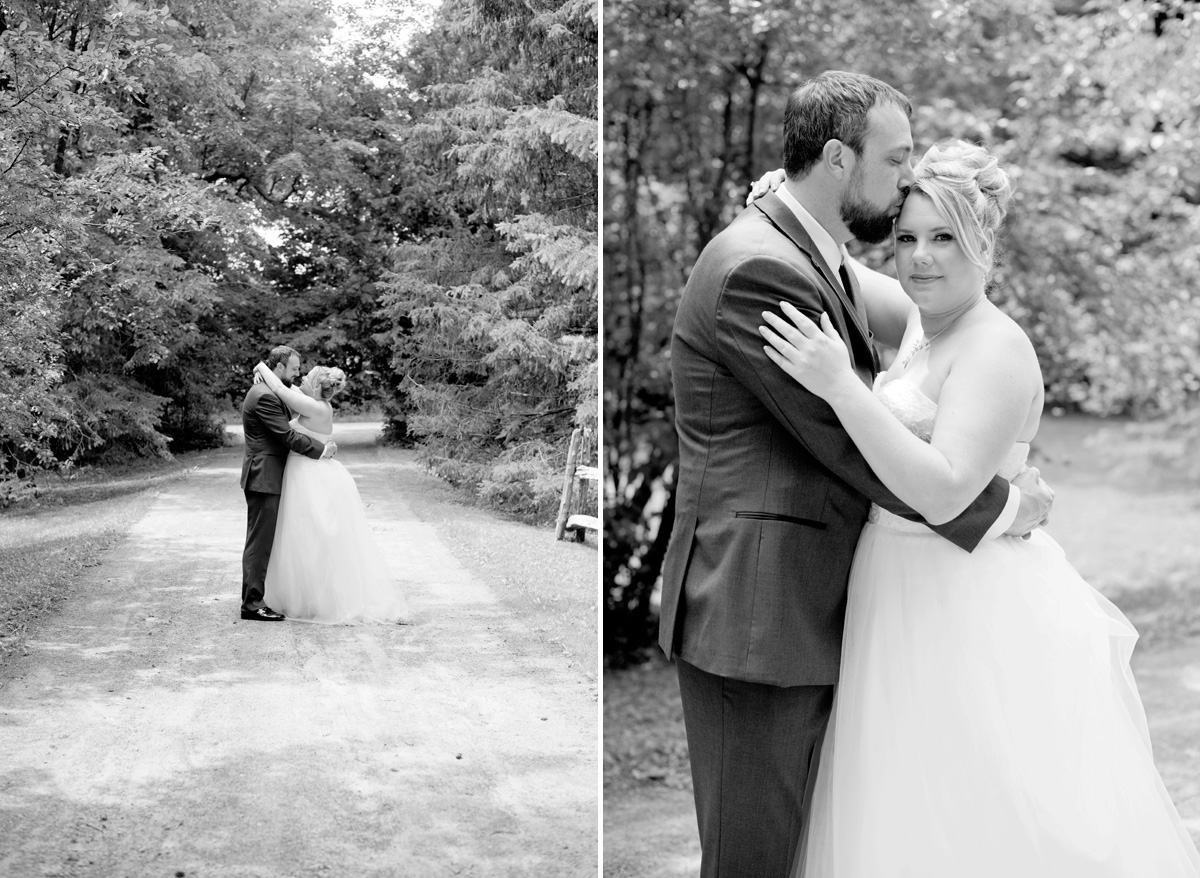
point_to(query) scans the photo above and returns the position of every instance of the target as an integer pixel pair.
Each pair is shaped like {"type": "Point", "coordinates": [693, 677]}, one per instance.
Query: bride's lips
{"type": "Point", "coordinates": [924, 278]}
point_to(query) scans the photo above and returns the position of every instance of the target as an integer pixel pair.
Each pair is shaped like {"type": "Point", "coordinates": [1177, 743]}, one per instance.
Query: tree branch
{"type": "Point", "coordinates": [35, 90]}
{"type": "Point", "coordinates": [17, 158]}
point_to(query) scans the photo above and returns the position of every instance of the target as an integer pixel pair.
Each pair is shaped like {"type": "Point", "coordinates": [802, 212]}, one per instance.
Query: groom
{"type": "Point", "coordinates": [269, 436]}
{"type": "Point", "coordinates": [772, 494]}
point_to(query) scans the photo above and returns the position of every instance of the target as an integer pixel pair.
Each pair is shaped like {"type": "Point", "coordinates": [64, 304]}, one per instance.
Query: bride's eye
{"type": "Point", "coordinates": [904, 238]}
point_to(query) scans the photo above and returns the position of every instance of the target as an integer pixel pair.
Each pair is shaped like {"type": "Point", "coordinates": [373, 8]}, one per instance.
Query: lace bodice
{"type": "Point", "coordinates": [299, 428]}
{"type": "Point", "coordinates": [911, 407]}
{"type": "Point", "coordinates": [917, 412]}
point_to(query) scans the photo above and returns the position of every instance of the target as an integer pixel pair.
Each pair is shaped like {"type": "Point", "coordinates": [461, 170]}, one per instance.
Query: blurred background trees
{"type": "Point", "coordinates": [376, 182]}
{"type": "Point", "coordinates": [1091, 105]}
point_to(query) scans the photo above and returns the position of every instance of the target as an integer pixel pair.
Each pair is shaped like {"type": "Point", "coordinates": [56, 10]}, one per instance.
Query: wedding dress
{"type": "Point", "coordinates": [325, 564]}
{"type": "Point", "coordinates": [986, 722]}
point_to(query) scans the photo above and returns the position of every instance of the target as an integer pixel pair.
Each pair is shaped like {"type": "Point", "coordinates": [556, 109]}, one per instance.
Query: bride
{"type": "Point", "coordinates": [325, 565]}
{"type": "Point", "coordinates": [986, 722]}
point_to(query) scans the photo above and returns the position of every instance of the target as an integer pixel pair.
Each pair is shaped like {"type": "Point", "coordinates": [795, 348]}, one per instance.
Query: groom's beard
{"type": "Point", "coordinates": [866, 222]}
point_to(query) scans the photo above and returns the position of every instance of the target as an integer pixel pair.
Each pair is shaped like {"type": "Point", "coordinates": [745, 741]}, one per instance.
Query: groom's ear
{"type": "Point", "coordinates": [837, 159]}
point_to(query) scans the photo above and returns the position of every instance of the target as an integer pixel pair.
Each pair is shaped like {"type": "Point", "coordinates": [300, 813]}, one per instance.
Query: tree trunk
{"type": "Point", "coordinates": [635, 283]}
{"type": "Point", "coordinates": [5, 83]}
{"type": "Point", "coordinates": [709, 209]}
{"type": "Point", "coordinates": [754, 80]}
{"type": "Point", "coordinates": [64, 137]}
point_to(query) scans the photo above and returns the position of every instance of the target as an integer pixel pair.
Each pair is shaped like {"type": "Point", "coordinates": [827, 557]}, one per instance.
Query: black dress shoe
{"type": "Point", "coordinates": [262, 614]}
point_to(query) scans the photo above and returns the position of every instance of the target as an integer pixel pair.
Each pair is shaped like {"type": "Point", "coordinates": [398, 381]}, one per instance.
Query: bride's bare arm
{"type": "Point", "coordinates": [295, 400]}
{"type": "Point", "coordinates": [983, 406]}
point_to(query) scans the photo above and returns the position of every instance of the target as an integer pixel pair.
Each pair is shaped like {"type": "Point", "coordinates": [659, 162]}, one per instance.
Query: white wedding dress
{"type": "Point", "coordinates": [986, 723]}
{"type": "Point", "coordinates": [325, 564]}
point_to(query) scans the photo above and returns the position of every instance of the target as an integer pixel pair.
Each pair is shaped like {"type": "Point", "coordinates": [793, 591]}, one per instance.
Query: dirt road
{"type": "Point", "coordinates": [147, 731]}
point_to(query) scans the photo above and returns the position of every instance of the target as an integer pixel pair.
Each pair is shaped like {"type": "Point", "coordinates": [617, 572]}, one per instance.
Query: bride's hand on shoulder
{"type": "Point", "coordinates": [768, 182]}
{"type": "Point", "coordinates": [814, 356]}
{"type": "Point", "coordinates": [262, 372]}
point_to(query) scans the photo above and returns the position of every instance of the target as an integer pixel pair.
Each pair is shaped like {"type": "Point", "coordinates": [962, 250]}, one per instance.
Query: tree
{"type": "Point", "coordinates": [494, 306]}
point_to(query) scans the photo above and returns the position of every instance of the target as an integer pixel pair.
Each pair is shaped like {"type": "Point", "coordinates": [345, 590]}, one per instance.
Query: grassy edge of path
{"type": "Point", "coordinates": [46, 541]}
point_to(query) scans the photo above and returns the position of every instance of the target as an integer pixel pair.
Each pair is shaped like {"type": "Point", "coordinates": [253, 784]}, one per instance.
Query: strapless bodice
{"type": "Point", "coordinates": [918, 412]}
{"type": "Point", "coordinates": [299, 428]}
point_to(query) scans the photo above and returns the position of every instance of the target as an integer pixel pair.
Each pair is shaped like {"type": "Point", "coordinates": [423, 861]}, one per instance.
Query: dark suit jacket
{"type": "Point", "coordinates": [771, 493]}
{"type": "Point", "coordinates": [269, 437]}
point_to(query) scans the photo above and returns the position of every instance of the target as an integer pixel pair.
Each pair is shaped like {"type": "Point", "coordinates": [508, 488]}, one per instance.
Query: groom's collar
{"type": "Point", "coordinates": [792, 226]}
{"type": "Point", "coordinates": [789, 224]}
{"type": "Point", "coordinates": [830, 251]}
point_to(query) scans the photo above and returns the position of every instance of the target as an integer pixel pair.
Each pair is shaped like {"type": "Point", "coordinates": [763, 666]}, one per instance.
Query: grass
{"type": "Point", "coordinates": [644, 740]}
{"type": "Point", "coordinates": [46, 543]}
{"type": "Point", "coordinates": [64, 524]}
{"type": "Point", "coordinates": [555, 584]}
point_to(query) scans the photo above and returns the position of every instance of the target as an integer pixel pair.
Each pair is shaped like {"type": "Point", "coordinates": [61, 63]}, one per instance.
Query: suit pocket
{"type": "Point", "coordinates": [778, 516]}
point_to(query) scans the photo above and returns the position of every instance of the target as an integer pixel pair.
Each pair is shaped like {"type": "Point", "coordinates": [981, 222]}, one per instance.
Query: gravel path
{"type": "Point", "coordinates": [147, 731]}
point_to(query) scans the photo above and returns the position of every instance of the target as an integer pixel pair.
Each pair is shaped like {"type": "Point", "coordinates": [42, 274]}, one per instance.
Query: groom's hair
{"type": "Point", "coordinates": [280, 354]}
{"type": "Point", "coordinates": [832, 106]}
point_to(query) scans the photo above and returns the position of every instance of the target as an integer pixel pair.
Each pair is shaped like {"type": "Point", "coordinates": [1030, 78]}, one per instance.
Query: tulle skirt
{"type": "Point", "coordinates": [986, 724]}
{"type": "Point", "coordinates": [325, 564]}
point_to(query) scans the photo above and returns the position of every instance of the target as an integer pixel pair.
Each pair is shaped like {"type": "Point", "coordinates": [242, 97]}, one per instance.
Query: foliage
{"type": "Point", "coordinates": [83, 226]}
{"type": "Point", "coordinates": [183, 186]}
{"type": "Point", "coordinates": [1088, 105]}
{"type": "Point", "coordinates": [494, 308]}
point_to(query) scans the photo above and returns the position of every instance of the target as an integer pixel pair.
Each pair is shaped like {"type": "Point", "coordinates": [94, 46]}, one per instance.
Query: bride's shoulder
{"type": "Point", "coordinates": [998, 329]}
{"type": "Point", "coordinates": [1000, 341]}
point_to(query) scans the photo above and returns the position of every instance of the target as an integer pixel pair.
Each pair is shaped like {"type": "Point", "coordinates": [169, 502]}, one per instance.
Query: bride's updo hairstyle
{"type": "Point", "coordinates": [969, 188]}
{"type": "Point", "coordinates": [325, 381]}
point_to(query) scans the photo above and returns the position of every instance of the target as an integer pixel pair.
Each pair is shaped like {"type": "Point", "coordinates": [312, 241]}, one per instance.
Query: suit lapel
{"type": "Point", "coordinates": [783, 219]}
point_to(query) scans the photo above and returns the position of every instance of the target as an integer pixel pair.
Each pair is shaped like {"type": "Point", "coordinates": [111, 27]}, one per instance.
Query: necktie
{"type": "Point", "coordinates": [851, 289]}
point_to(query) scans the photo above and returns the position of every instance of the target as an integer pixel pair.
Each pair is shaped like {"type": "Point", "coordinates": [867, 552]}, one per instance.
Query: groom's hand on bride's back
{"type": "Point", "coordinates": [330, 450]}
{"type": "Point", "coordinates": [1036, 499]}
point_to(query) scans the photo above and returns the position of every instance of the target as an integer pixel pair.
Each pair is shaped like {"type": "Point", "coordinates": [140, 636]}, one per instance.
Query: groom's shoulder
{"type": "Point", "coordinates": [255, 396]}
{"type": "Point", "coordinates": [750, 237]}
{"type": "Point", "coordinates": [754, 231]}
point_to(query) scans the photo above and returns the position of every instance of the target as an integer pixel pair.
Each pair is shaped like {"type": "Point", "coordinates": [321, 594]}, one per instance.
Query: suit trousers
{"type": "Point", "coordinates": [752, 747]}
{"type": "Point", "coordinates": [262, 512]}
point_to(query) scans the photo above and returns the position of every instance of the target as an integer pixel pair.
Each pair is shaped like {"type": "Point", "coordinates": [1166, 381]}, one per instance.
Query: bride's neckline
{"type": "Point", "coordinates": [900, 379]}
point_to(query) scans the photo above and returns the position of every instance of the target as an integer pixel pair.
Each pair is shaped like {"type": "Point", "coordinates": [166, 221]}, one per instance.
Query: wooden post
{"type": "Point", "coordinates": [564, 505]}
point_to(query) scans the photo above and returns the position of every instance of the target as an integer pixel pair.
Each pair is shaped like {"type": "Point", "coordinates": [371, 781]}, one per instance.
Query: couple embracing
{"type": "Point", "coordinates": [886, 668]}
{"type": "Point", "coordinates": [309, 552]}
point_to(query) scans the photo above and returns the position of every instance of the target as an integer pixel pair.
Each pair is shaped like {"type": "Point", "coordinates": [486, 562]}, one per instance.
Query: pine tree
{"type": "Point", "coordinates": [495, 312]}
